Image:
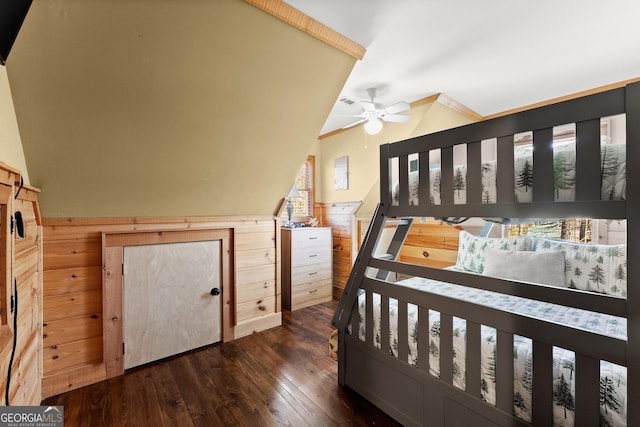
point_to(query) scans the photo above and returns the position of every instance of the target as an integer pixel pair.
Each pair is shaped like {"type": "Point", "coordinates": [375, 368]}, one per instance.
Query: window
{"type": "Point", "coordinates": [305, 182]}
{"type": "Point", "coordinates": [576, 230]}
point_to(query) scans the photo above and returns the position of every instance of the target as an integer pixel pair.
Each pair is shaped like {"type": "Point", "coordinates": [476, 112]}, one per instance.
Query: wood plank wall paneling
{"type": "Point", "coordinates": [22, 261]}
{"type": "Point", "coordinates": [72, 262]}
{"type": "Point", "coordinates": [257, 260]}
{"type": "Point", "coordinates": [432, 244]}
{"type": "Point", "coordinates": [81, 346]}
{"type": "Point", "coordinates": [340, 216]}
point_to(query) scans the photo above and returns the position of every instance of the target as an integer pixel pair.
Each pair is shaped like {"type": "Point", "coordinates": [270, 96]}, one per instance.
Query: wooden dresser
{"type": "Point", "coordinates": [306, 266]}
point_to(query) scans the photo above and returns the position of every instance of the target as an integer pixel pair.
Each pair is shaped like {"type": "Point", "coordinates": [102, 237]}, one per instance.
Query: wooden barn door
{"type": "Point", "coordinates": [171, 301]}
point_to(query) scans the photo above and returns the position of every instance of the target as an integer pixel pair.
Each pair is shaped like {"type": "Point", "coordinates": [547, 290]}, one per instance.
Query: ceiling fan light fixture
{"type": "Point", "coordinates": [373, 126]}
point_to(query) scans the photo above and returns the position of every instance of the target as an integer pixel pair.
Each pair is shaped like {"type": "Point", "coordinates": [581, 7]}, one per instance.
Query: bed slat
{"type": "Point", "coordinates": [587, 402]}
{"type": "Point", "coordinates": [385, 178]}
{"type": "Point", "coordinates": [543, 165]}
{"type": "Point", "coordinates": [474, 172]}
{"type": "Point", "coordinates": [424, 190]}
{"type": "Point", "coordinates": [384, 323]}
{"type": "Point", "coordinates": [588, 160]}
{"type": "Point", "coordinates": [368, 320]}
{"type": "Point", "coordinates": [504, 371]}
{"type": "Point", "coordinates": [505, 170]}
{"type": "Point", "coordinates": [446, 176]}
{"type": "Point", "coordinates": [542, 405]}
{"type": "Point", "coordinates": [403, 179]}
{"type": "Point", "coordinates": [403, 331]}
{"type": "Point", "coordinates": [472, 373]}
{"type": "Point", "coordinates": [446, 348]}
{"type": "Point", "coordinates": [423, 339]}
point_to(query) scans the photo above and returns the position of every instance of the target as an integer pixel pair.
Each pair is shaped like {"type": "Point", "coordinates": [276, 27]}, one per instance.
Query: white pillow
{"type": "Point", "coordinates": [471, 249]}
{"type": "Point", "coordinates": [546, 268]}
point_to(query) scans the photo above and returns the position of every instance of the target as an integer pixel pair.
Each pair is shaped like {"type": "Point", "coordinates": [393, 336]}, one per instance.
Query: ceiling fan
{"type": "Point", "coordinates": [372, 115]}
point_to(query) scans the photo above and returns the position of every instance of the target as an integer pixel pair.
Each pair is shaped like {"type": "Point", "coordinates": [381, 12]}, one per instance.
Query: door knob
{"type": "Point", "coordinates": [215, 291]}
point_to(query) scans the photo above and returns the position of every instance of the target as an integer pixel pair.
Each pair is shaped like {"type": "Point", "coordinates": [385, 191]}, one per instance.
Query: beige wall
{"type": "Point", "coordinates": [10, 144]}
{"type": "Point", "coordinates": [363, 152]}
{"type": "Point", "coordinates": [167, 107]}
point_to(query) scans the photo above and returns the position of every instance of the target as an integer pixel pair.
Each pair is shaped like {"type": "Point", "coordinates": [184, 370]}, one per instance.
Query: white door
{"type": "Point", "coordinates": [168, 300]}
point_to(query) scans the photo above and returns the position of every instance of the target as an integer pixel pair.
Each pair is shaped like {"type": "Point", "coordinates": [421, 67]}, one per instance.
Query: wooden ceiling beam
{"type": "Point", "coordinates": [299, 20]}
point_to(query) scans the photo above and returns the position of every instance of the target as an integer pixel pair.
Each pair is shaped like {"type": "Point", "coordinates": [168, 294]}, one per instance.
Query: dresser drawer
{"type": "Point", "coordinates": [310, 273]}
{"type": "Point", "coordinates": [308, 256]}
{"type": "Point", "coordinates": [311, 293]}
{"type": "Point", "coordinates": [311, 237]}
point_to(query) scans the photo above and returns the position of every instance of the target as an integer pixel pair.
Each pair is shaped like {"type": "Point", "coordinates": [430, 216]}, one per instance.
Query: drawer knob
{"type": "Point", "coordinates": [313, 238]}
{"type": "Point", "coordinates": [313, 255]}
{"type": "Point", "coordinates": [313, 273]}
{"type": "Point", "coordinates": [313, 291]}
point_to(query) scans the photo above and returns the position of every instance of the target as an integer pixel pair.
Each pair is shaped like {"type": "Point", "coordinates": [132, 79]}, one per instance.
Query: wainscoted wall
{"type": "Point", "coordinates": [341, 217]}
{"type": "Point", "coordinates": [83, 313]}
{"type": "Point", "coordinates": [21, 270]}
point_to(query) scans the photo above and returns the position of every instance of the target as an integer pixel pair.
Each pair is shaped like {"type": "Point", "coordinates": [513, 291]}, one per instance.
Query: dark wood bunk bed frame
{"type": "Point", "coordinates": [409, 393]}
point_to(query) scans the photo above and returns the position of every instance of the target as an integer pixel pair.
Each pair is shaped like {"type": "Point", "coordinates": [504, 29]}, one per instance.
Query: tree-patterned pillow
{"type": "Point", "coordinates": [595, 268]}
{"type": "Point", "coordinates": [471, 249]}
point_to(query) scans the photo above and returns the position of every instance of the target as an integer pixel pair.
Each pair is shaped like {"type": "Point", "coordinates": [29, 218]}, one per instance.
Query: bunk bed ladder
{"type": "Point", "coordinates": [348, 299]}
{"type": "Point", "coordinates": [403, 225]}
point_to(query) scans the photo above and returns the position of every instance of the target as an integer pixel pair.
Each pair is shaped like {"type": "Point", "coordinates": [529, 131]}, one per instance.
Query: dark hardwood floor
{"type": "Point", "coordinates": [282, 376]}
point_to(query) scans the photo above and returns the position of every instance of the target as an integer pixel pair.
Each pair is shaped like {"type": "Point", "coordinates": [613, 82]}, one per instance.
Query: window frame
{"type": "Point", "coordinates": [309, 166]}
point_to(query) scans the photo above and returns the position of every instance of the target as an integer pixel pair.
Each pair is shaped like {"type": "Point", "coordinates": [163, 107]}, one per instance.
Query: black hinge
{"type": "Point", "coordinates": [122, 348]}
{"type": "Point", "coordinates": [11, 224]}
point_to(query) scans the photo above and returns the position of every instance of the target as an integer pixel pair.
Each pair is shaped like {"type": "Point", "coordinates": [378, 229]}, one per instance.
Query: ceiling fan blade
{"type": "Point", "coordinates": [350, 115]}
{"type": "Point", "coordinates": [354, 123]}
{"type": "Point", "coordinates": [396, 118]}
{"type": "Point", "coordinates": [369, 107]}
{"type": "Point", "coordinates": [398, 107]}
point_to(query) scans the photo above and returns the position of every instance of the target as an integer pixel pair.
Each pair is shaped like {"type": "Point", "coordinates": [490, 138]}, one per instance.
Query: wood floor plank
{"type": "Point", "coordinates": [256, 388]}
{"type": "Point", "coordinates": [172, 406]}
{"type": "Point", "coordinates": [235, 387]}
{"type": "Point", "coordinates": [198, 396]}
{"type": "Point", "coordinates": [281, 376]}
{"type": "Point", "coordinates": [95, 408]}
{"type": "Point", "coordinates": [142, 399]}
{"type": "Point", "coordinates": [264, 366]}
{"type": "Point", "coordinates": [119, 406]}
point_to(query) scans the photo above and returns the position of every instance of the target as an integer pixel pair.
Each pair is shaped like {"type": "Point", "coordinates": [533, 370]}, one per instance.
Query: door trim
{"type": "Point", "coordinates": [113, 244]}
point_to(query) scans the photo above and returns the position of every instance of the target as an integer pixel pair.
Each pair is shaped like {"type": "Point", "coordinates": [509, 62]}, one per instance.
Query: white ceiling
{"type": "Point", "coordinates": [489, 55]}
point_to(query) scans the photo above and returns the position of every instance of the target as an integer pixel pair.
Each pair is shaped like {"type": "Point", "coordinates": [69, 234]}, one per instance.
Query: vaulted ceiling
{"type": "Point", "coordinates": [167, 107]}
{"type": "Point", "coordinates": [489, 55]}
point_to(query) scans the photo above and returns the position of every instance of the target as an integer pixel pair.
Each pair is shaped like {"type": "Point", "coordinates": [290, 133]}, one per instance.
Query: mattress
{"type": "Point", "coordinates": [613, 377]}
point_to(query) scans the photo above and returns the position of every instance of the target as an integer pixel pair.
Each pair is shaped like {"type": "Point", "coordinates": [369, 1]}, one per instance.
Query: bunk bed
{"type": "Point", "coordinates": [473, 344]}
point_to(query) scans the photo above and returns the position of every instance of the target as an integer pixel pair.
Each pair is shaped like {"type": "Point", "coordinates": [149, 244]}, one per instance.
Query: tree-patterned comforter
{"type": "Point", "coordinates": [613, 380]}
